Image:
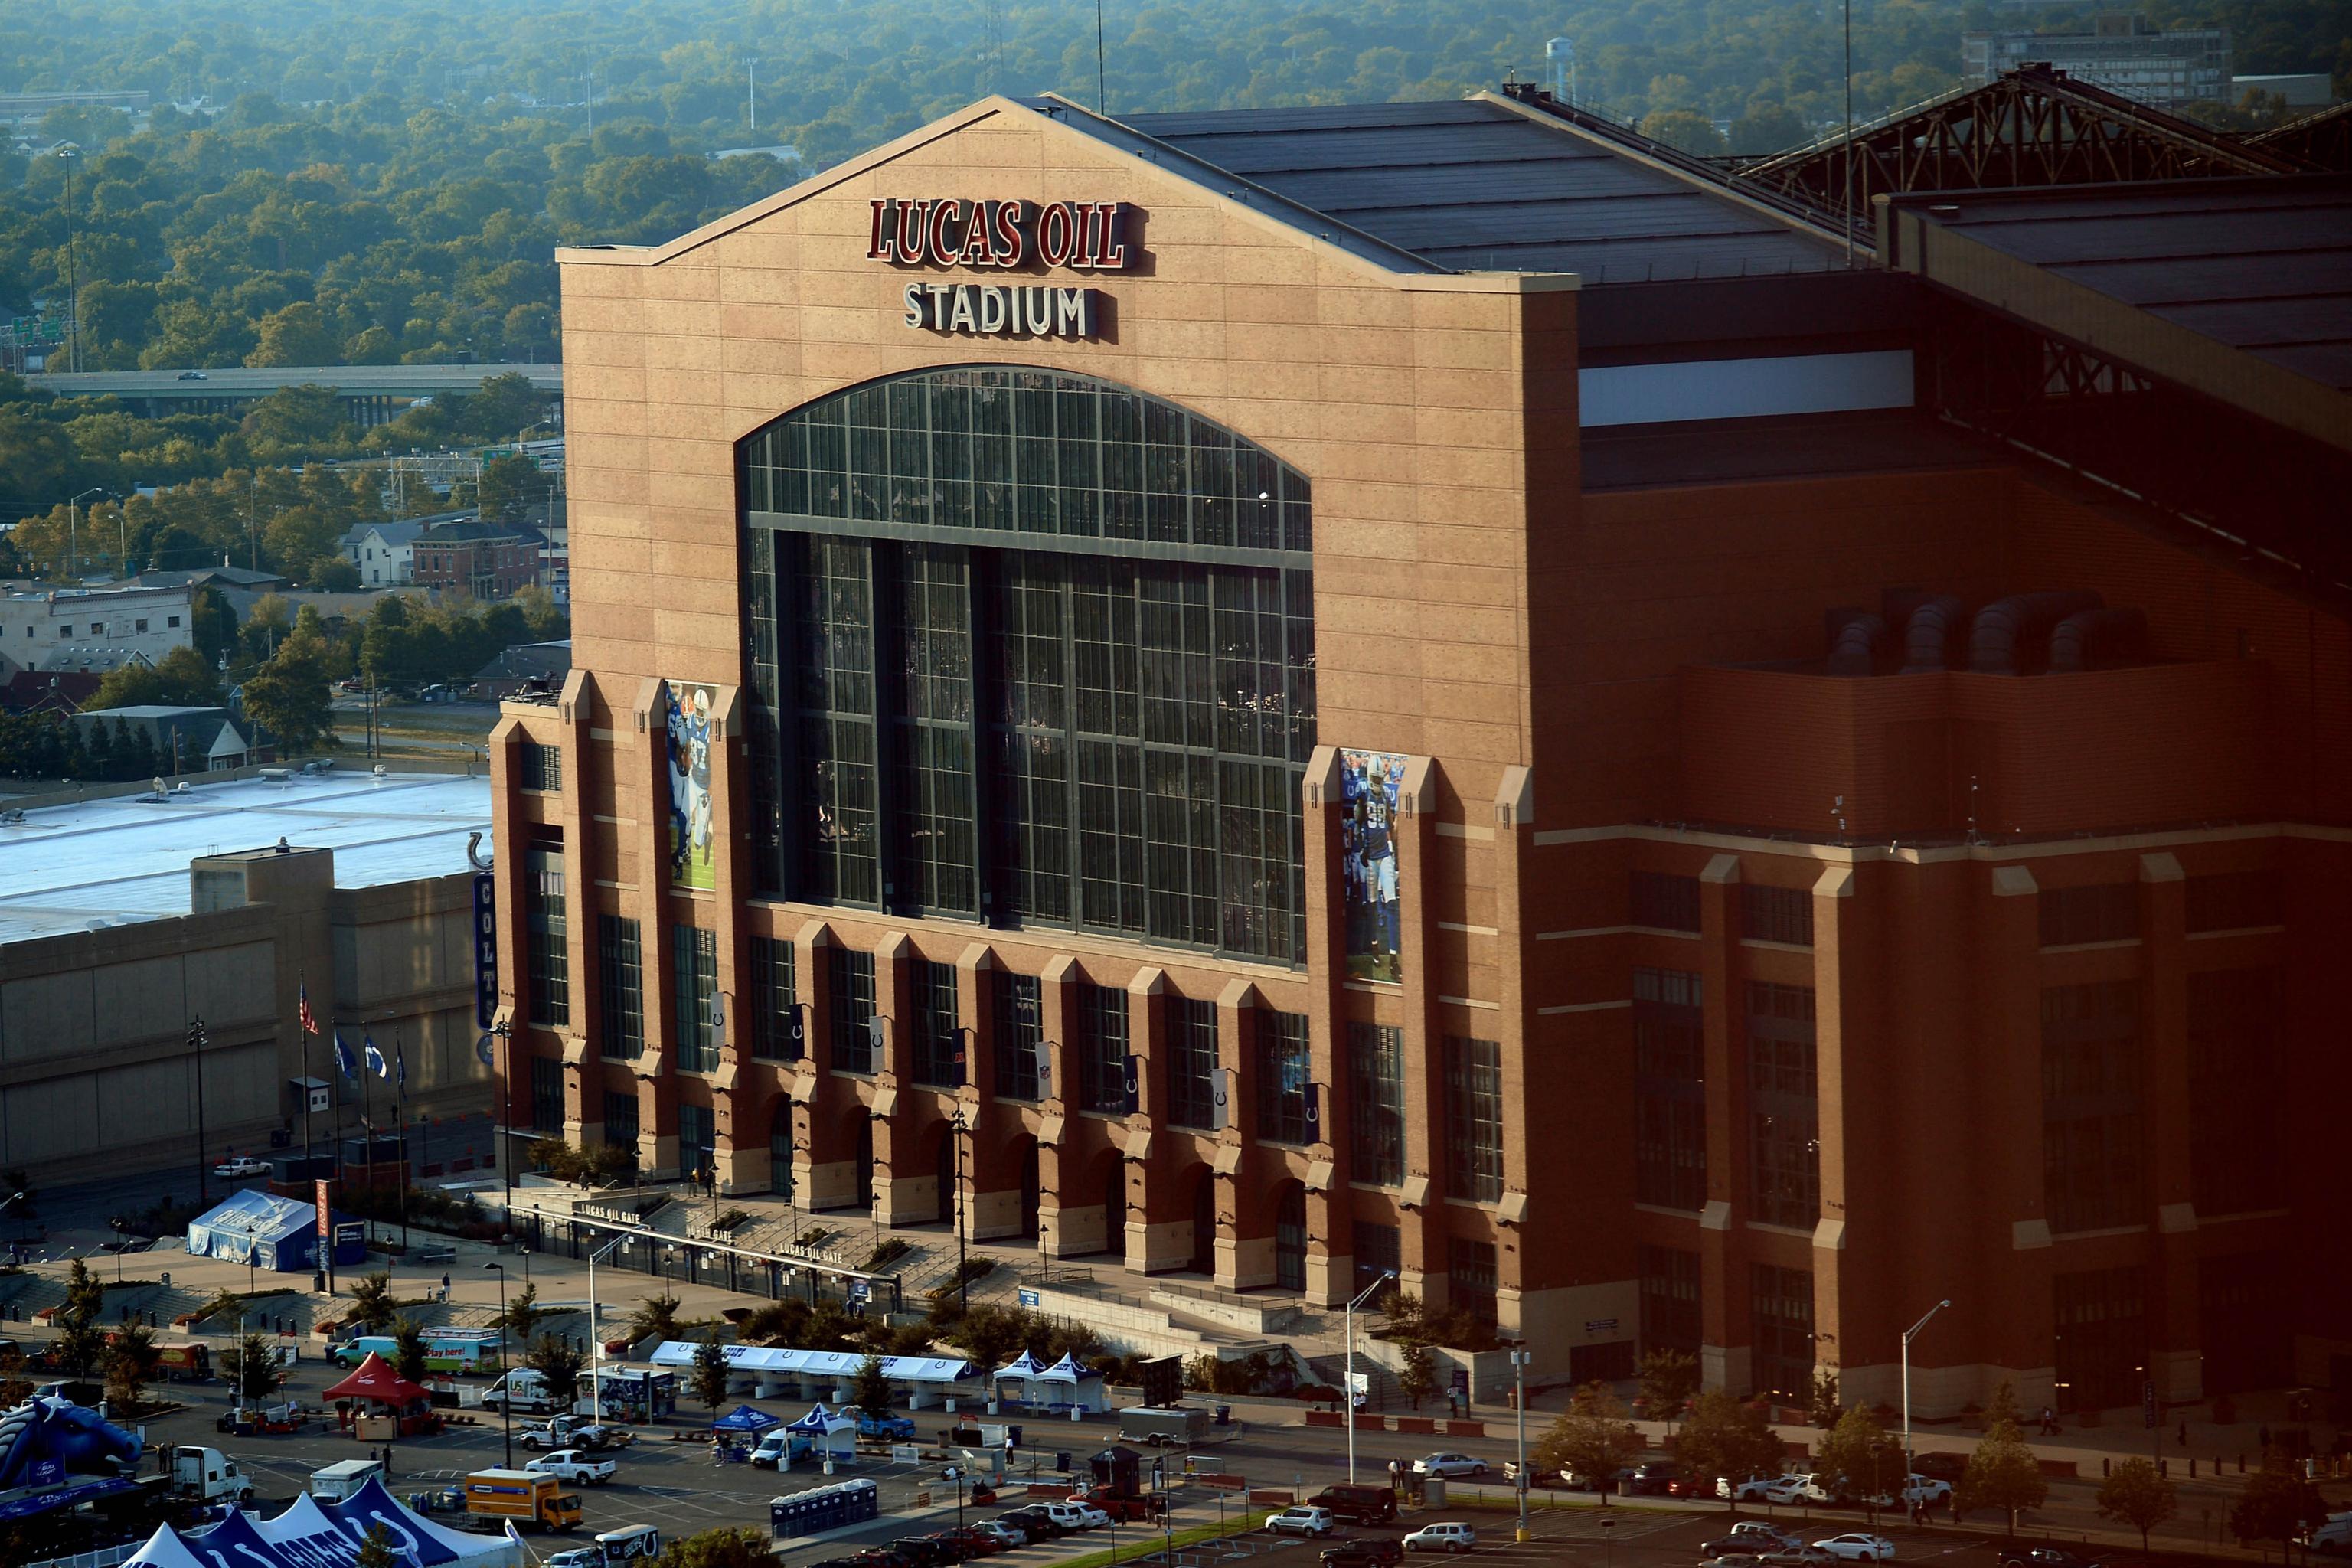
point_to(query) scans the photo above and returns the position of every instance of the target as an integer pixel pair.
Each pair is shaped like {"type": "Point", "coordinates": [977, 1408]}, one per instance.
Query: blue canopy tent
{"type": "Point", "coordinates": [746, 1421]}
{"type": "Point", "coordinates": [832, 1432]}
{"type": "Point", "coordinates": [280, 1235]}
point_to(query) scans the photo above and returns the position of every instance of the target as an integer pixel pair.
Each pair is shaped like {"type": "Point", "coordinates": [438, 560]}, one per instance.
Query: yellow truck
{"type": "Point", "coordinates": [534, 1502]}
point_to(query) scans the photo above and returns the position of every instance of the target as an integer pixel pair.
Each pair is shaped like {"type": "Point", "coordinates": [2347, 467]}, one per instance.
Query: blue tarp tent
{"type": "Point", "coordinates": [279, 1235]}
{"type": "Point", "coordinates": [308, 1535]}
{"type": "Point", "coordinates": [747, 1420]}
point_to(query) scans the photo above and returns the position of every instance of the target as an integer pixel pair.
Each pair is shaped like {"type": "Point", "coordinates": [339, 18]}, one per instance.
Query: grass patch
{"type": "Point", "coordinates": [1150, 1541]}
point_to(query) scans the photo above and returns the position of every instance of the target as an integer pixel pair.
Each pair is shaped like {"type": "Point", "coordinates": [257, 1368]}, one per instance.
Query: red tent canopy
{"type": "Point", "coordinates": [375, 1379]}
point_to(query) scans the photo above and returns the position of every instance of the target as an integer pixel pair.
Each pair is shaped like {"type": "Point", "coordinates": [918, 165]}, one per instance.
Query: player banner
{"type": "Point", "coordinates": [690, 744]}
{"type": "Point", "coordinates": [1368, 783]}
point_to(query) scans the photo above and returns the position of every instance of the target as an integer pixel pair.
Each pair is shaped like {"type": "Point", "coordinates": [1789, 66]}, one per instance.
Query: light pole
{"type": "Point", "coordinates": [956, 1128]}
{"type": "Point", "coordinates": [596, 1334]}
{"type": "Point", "coordinates": [1520, 1356]}
{"type": "Point", "coordinates": [1347, 1316]}
{"type": "Point", "coordinates": [204, 1171]}
{"type": "Point", "coordinates": [506, 1403]}
{"type": "Point", "coordinates": [116, 1223]}
{"type": "Point", "coordinates": [1877, 1448]}
{"type": "Point", "coordinates": [73, 526]}
{"type": "Point", "coordinates": [1908, 1335]}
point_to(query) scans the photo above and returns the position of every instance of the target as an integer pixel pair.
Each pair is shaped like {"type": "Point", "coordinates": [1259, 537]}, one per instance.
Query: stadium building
{"type": "Point", "coordinates": [1283, 695]}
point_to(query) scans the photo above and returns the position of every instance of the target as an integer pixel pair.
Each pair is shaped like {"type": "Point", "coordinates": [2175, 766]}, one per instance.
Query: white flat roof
{"type": "Point", "coordinates": [127, 859]}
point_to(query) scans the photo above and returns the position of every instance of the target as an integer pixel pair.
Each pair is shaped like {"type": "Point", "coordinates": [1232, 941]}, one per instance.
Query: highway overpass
{"type": "Point", "coordinates": [371, 390]}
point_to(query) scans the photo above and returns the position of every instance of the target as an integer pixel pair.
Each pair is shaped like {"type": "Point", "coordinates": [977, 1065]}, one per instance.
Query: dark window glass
{"type": "Point", "coordinates": [1380, 1250]}
{"type": "Point", "coordinates": [2091, 1106]}
{"type": "Point", "coordinates": [2246, 1305]}
{"type": "Point", "coordinates": [1784, 1118]}
{"type": "Point", "coordinates": [776, 1031]}
{"type": "Point", "coordinates": [1669, 1090]}
{"type": "Point", "coordinates": [2100, 1321]}
{"type": "Point", "coordinates": [547, 959]}
{"type": "Point", "coordinates": [2106, 912]}
{"type": "Point", "coordinates": [1781, 1310]}
{"type": "Point", "coordinates": [542, 766]}
{"type": "Point", "coordinates": [2234, 900]}
{"type": "Point", "coordinates": [1664, 902]}
{"type": "Point", "coordinates": [1020, 1030]}
{"type": "Point", "coordinates": [766, 710]}
{"type": "Point", "coordinates": [1470, 1269]}
{"type": "Point", "coordinates": [1776, 914]}
{"type": "Point", "coordinates": [937, 816]}
{"type": "Point", "coordinates": [620, 1119]}
{"type": "Point", "coordinates": [2238, 1092]}
{"type": "Point", "coordinates": [695, 957]}
{"type": "Point", "coordinates": [1670, 1306]}
{"type": "Point", "coordinates": [1376, 1104]}
{"type": "Point", "coordinates": [1473, 1119]}
{"type": "Point", "coordinates": [546, 1095]}
{"type": "Point", "coordinates": [1102, 1059]}
{"type": "Point", "coordinates": [838, 785]}
{"type": "Point", "coordinates": [697, 1142]}
{"type": "Point", "coordinates": [621, 970]}
{"type": "Point", "coordinates": [1283, 1068]}
{"type": "Point", "coordinates": [851, 979]}
{"type": "Point", "coordinates": [1192, 1056]}
{"type": "Point", "coordinates": [938, 1045]}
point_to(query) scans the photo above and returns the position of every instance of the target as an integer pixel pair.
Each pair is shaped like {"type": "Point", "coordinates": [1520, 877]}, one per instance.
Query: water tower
{"type": "Point", "coordinates": [1559, 57]}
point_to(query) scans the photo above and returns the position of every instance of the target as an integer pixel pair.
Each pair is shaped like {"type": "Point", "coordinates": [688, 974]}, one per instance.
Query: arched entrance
{"type": "Point", "coordinates": [780, 1152]}
{"type": "Point", "coordinates": [1205, 1221]}
{"type": "Point", "coordinates": [1290, 1237]}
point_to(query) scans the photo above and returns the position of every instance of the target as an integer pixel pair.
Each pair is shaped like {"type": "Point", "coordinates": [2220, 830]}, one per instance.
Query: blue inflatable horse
{"type": "Point", "coordinates": [43, 1440]}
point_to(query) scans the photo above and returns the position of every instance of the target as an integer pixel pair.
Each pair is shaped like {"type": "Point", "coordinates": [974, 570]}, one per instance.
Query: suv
{"type": "Point", "coordinates": [1036, 1523]}
{"type": "Point", "coordinates": [1300, 1521]}
{"type": "Point", "coordinates": [1364, 1552]}
{"type": "Point", "coordinates": [1076, 1516]}
{"type": "Point", "coordinates": [1452, 1536]}
{"type": "Point", "coordinates": [1358, 1505]}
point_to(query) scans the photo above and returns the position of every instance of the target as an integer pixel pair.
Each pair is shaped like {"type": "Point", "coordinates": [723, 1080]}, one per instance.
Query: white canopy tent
{"type": "Point", "coordinates": [913, 1375]}
{"type": "Point", "coordinates": [307, 1533]}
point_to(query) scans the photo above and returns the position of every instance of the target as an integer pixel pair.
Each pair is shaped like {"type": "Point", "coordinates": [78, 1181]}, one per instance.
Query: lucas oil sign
{"type": "Point", "coordinates": [1003, 236]}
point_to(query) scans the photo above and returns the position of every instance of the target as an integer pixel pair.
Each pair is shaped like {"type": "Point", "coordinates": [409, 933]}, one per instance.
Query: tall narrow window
{"type": "Point", "coordinates": [1780, 1309]}
{"type": "Point", "coordinates": [1776, 914]}
{"type": "Point", "coordinates": [546, 1095]}
{"type": "Point", "coordinates": [852, 978]}
{"type": "Point", "coordinates": [1669, 1090]}
{"type": "Point", "coordinates": [620, 967]}
{"type": "Point", "coordinates": [839, 792]}
{"type": "Point", "coordinates": [1192, 1041]}
{"type": "Point", "coordinates": [2091, 1106]}
{"type": "Point", "coordinates": [1663, 902]}
{"type": "Point", "coordinates": [1283, 1071]}
{"type": "Point", "coordinates": [938, 1046]}
{"type": "Point", "coordinates": [776, 1031]}
{"type": "Point", "coordinates": [938, 820]}
{"type": "Point", "coordinates": [2099, 1319]}
{"type": "Point", "coordinates": [1470, 1271]}
{"type": "Point", "coordinates": [1380, 1250]}
{"type": "Point", "coordinates": [2238, 1083]}
{"type": "Point", "coordinates": [1784, 1106]}
{"type": "Point", "coordinates": [1020, 1032]}
{"type": "Point", "coordinates": [1473, 1119]}
{"type": "Point", "coordinates": [620, 1119]}
{"type": "Point", "coordinates": [698, 1140]}
{"type": "Point", "coordinates": [2104, 911]}
{"type": "Point", "coordinates": [1102, 1059]}
{"type": "Point", "coordinates": [695, 958]}
{"type": "Point", "coordinates": [1376, 1104]}
{"type": "Point", "coordinates": [542, 766]}
{"type": "Point", "coordinates": [1670, 1307]}
{"type": "Point", "coordinates": [546, 957]}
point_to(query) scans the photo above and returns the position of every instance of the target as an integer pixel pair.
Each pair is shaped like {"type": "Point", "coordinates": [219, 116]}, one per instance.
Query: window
{"type": "Point", "coordinates": [695, 956]}
{"type": "Point", "coordinates": [547, 961]}
{"type": "Point", "coordinates": [2234, 900]}
{"type": "Point", "coordinates": [1781, 1311]}
{"type": "Point", "coordinates": [620, 1119]}
{"type": "Point", "coordinates": [2100, 1321]}
{"type": "Point", "coordinates": [1784, 1148]}
{"type": "Point", "coordinates": [1192, 1057]}
{"type": "Point", "coordinates": [2090, 1106]}
{"type": "Point", "coordinates": [1669, 1294]}
{"type": "Point", "coordinates": [172, 621]}
{"type": "Point", "coordinates": [2108, 911]}
{"type": "Point", "coordinates": [65, 631]}
{"type": "Point", "coordinates": [775, 1001]}
{"type": "Point", "coordinates": [1376, 1104]}
{"type": "Point", "coordinates": [1380, 1250]}
{"type": "Point", "coordinates": [1665, 903]}
{"type": "Point", "coordinates": [547, 1095]}
{"type": "Point", "coordinates": [621, 1035]}
{"type": "Point", "coordinates": [2237, 1092]}
{"type": "Point", "coordinates": [933, 732]}
{"type": "Point", "coordinates": [1102, 1053]}
{"type": "Point", "coordinates": [2245, 1320]}
{"type": "Point", "coordinates": [1020, 1033]}
{"type": "Point", "coordinates": [698, 1140]}
{"type": "Point", "coordinates": [1776, 914]}
{"type": "Point", "coordinates": [141, 625]}
{"type": "Point", "coordinates": [1473, 1119]}
{"type": "Point", "coordinates": [938, 1044]}
{"type": "Point", "coordinates": [1283, 1070]}
{"type": "Point", "coordinates": [1470, 1270]}
{"type": "Point", "coordinates": [1669, 1090]}
{"type": "Point", "coordinates": [541, 766]}
{"type": "Point", "coordinates": [850, 981]}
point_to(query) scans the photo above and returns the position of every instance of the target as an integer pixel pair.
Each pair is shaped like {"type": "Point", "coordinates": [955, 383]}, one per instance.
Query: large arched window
{"type": "Point", "coordinates": [1031, 648]}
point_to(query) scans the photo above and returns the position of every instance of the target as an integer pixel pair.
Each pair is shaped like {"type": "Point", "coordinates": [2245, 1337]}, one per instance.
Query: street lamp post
{"type": "Point", "coordinates": [1347, 1316]}
{"type": "Point", "coordinates": [596, 1334]}
{"type": "Point", "coordinates": [956, 1130]}
{"type": "Point", "coordinates": [506, 1402]}
{"type": "Point", "coordinates": [1908, 1335]}
{"type": "Point", "coordinates": [73, 526]}
{"type": "Point", "coordinates": [1877, 1450]}
{"type": "Point", "coordinates": [1520, 1356]}
{"type": "Point", "coordinates": [204, 1171]}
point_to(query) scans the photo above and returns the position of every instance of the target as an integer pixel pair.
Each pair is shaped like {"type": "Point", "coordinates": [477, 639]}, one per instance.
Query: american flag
{"type": "Point", "coordinates": [309, 1020]}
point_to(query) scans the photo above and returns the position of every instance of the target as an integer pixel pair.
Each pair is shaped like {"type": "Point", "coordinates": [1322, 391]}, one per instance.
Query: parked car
{"type": "Point", "coordinates": [1006, 1536]}
{"type": "Point", "coordinates": [1687, 1486]}
{"type": "Point", "coordinates": [1751, 1489]}
{"type": "Point", "coordinates": [1448, 1464]}
{"type": "Point", "coordinates": [1365, 1552]}
{"type": "Point", "coordinates": [2334, 1537]}
{"type": "Point", "coordinates": [1452, 1536]}
{"type": "Point", "coordinates": [969, 1541]}
{"type": "Point", "coordinates": [1922, 1488]}
{"type": "Point", "coordinates": [926, 1552]}
{"type": "Point", "coordinates": [1358, 1505]}
{"type": "Point", "coordinates": [1035, 1522]}
{"type": "Point", "coordinates": [1756, 1535]}
{"type": "Point", "coordinates": [1302, 1520]}
{"type": "Point", "coordinates": [1802, 1556]}
{"type": "Point", "coordinates": [1616, 1481]}
{"type": "Point", "coordinates": [242, 1165]}
{"type": "Point", "coordinates": [574, 1466]}
{"type": "Point", "coordinates": [1732, 1560]}
{"type": "Point", "coordinates": [1076, 1515]}
{"type": "Point", "coordinates": [1655, 1479]}
{"type": "Point", "coordinates": [1942, 1466]}
{"type": "Point", "coordinates": [2041, 1557]}
{"type": "Point", "coordinates": [1857, 1547]}
{"type": "Point", "coordinates": [878, 1557]}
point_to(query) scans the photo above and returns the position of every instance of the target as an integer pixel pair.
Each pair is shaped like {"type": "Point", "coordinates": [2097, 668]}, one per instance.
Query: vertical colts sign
{"type": "Point", "coordinates": [1003, 235]}
{"type": "Point", "coordinates": [486, 950]}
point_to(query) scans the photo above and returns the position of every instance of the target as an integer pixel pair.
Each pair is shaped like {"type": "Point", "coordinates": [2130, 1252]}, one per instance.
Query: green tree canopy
{"type": "Point", "coordinates": [1724, 1436]}
{"type": "Point", "coordinates": [2137, 1495]}
{"type": "Point", "coordinates": [2003, 1472]}
{"type": "Point", "coordinates": [1591, 1437]}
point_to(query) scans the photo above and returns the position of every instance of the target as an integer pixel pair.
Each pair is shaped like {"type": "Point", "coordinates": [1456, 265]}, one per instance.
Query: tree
{"type": "Point", "coordinates": [2135, 1493]}
{"type": "Point", "coordinates": [522, 1313]}
{"type": "Point", "coordinates": [2003, 1472]}
{"type": "Point", "coordinates": [1767, 128]}
{"type": "Point", "coordinates": [130, 1364]}
{"type": "Point", "coordinates": [1724, 1437]}
{"type": "Point", "coordinates": [181, 678]}
{"type": "Point", "coordinates": [251, 1365]}
{"type": "Point", "coordinates": [1851, 1456]}
{"type": "Point", "coordinates": [408, 1350]}
{"type": "Point", "coordinates": [1668, 1380]}
{"type": "Point", "coordinates": [288, 697]}
{"type": "Point", "coordinates": [654, 1317]}
{"type": "Point", "coordinates": [81, 1337]}
{"type": "Point", "coordinates": [1822, 1407]}
{"type": "Point", "coordinates": [372, 1304]}
{"type": "Point", "coordinates": [555, 1358]}
{"type": "Point", "coordinates": [1685, 131]}
{"type": "Point", "coordinates": [2276, 1504]}
{"type": "Point", "coordinates": [1417, 1378]}
{"type": "Point", "coordinates": [297, 334]}
{"type": "Point", "coordinates": [15, 1386]}
{"type": "Point", "coordinates": [871, 1391]}
{"type": "Point", "coordinates": [730, 1546]}
{"type": "Point", "coordinates": [1592, 1437]}
{"type": "Point", "coordinates": [378, 1551]}
{"type": "Point", "coordinates": [710, 1370]}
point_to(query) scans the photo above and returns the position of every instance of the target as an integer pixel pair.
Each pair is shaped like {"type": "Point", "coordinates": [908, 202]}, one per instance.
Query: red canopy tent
{"type": "Point", "coordinates": [375, 1384]}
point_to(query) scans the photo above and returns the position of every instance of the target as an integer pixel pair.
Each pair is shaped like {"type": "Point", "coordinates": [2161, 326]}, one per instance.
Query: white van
{"type": "Point", "coordinates": [519, 1389]}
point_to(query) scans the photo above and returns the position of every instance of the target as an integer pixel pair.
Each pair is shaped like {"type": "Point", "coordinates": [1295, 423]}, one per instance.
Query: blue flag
{"type": "Point", "coordinates": [376, 1064]}
{"type": "Point", "coordinates": [350, 1069]}
{"type": "Point", "coordinates": [400, 1064]}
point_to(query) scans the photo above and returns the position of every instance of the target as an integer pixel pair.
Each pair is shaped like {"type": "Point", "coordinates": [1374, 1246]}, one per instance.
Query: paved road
{"type": "Point", "coordinates": [351, 380]}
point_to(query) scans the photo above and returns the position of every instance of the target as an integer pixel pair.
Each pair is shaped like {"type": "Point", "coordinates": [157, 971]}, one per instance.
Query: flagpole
{"type": "Point", "coordinates": [400, 1115]}
{"type": "Point", "coordinates": [367, 1118]}
{"type": "Point", "coordinates": [310, 1139]}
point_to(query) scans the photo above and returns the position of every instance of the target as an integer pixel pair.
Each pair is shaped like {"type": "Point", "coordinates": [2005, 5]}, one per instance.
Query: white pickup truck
{"type": "Point", "coordinates": [576, 1467]}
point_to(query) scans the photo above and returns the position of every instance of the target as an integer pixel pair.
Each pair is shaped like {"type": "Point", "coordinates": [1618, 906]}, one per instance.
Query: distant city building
{"type": "Point", "coordinates": [485, 560]}
{"type": "Point", "coordinates": [2124, 52]}
{"type": "Point", "coordinates": [221, 576]}
{"type": "Point", "coordinates": [515, 669]}
{"type": "Point", "coordinates": [2301, 89]}
{"type": "Point", "coordinates": [41, 690]}
{"type": "Point", "coordinates": [98, 629]}
{"type": "Point", "coordinates": [32, 108]}
{"type": "Point", "coordinates": [185, 740]}
{"type": "Point", "coordinates": [385, 552]}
